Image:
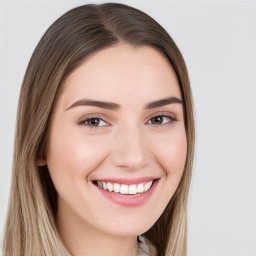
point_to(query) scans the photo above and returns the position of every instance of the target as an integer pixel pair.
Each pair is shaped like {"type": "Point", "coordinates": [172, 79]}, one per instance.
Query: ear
{"type": "Point", "coordinates": [41, 160]}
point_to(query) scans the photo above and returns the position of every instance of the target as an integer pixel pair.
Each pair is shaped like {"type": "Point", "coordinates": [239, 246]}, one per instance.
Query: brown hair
{"type": "Point", "coordinates": [30, 226]}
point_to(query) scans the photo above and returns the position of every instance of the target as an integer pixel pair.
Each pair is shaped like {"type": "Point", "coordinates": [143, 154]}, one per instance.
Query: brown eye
{"type": "Point", "coordinates": [161, 119]}
{"type": "Point", "coordinates": [94, 122]}
{"type": "Point", "coordinates": [157, 120]}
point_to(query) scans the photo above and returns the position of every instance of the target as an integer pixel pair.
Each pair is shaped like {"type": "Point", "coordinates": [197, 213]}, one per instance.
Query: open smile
{"type": "Point", "coordinates": [125, 189]}
{"type": "Point", "coordinates": [127, 193]}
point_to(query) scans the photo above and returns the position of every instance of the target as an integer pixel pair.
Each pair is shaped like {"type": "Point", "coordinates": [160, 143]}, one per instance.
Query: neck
{"type": "Point", "coordinates": [83, 239]}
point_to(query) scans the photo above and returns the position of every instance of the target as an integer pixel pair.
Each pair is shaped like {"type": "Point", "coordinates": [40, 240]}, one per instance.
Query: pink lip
{"type": "Point", "coordinates": [128, 200]}
{"type": "Point", "coordinates": [129, 181]}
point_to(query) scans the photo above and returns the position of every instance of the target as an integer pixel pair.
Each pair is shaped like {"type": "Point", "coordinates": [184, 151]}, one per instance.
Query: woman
{"type": "Point", "coordinates": [104, 140]}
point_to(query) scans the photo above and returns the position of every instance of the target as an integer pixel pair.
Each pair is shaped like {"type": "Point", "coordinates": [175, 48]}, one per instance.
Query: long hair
{"type": "Point", "coordinates": [30, 226]}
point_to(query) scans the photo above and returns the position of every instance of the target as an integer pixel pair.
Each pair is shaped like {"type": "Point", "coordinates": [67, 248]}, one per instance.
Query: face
{"type": "Point", "coordinates": [117, 143]}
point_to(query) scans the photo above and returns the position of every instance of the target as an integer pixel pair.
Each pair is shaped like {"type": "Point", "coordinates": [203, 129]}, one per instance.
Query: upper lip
{"type": "Point", "coordinates": [127, 181]}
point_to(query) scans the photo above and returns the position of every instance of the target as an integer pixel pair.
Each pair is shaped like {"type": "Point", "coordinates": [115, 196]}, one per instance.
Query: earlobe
{"type": "Point", "coordinates": [41, 161]}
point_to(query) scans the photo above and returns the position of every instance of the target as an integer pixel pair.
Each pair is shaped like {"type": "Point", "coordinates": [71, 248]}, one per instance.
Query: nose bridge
{"type": "Point", "coordinates": [130, 150]}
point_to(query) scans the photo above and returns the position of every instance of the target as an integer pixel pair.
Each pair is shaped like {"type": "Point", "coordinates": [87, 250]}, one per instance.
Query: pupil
{"type": "Point", "coordinates": [157, 120]}
{"type": "Point", "coordinates": [94, 121]}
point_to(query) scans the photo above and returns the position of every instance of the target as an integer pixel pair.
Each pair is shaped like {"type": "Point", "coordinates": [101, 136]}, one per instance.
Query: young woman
{"type": "Point", "coordinates": [104, 140]}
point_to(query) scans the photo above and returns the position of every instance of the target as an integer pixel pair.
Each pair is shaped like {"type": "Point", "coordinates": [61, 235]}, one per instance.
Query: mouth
{"type": "Point", "coordinates": [127, 193]}
{"type": "Point", "coordinates": [125, 189]}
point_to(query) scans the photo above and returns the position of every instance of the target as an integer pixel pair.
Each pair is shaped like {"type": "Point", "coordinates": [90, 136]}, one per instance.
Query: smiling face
{"type": "Point", "coordinates": [117, 143]}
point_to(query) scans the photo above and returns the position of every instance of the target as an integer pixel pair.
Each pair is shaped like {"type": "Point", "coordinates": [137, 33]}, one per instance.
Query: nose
{"type": "Point", "coordinates": [130, 149]}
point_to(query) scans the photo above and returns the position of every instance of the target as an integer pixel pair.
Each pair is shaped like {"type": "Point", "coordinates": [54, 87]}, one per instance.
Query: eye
{"type": "Point", "coordinates": [94, 122]}
{"type": "Point", "coordinates": [161, 119]}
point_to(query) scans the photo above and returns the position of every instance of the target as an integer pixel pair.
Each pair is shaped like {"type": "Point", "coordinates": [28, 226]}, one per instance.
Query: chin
{"type": "Point", "coordinates": [128, 226]}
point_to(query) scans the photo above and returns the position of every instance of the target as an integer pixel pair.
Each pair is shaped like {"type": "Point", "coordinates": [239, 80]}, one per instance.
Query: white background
{"type": "Point", "coordinates": [218, 41]}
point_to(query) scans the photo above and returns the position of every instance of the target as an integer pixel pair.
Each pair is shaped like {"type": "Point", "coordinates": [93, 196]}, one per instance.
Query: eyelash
{"type": "Point", "coordinates": [100, 119]}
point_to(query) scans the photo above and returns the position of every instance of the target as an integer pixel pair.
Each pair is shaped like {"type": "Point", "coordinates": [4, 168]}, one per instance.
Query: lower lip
{"type": "Point", "coordinates": [129, 200]}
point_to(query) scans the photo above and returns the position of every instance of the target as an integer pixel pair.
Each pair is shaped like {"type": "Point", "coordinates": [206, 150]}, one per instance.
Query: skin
{"type": "Point", "coordinates": [127, 143]}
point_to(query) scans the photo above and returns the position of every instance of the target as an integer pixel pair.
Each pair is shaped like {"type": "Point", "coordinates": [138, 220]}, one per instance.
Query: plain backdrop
{"type": "Point", "coordinates": [218, 42]}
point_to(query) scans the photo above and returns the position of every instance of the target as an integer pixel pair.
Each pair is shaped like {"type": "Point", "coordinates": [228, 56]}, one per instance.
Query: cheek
{"type": "Point", "coordinates": [172, 152]}
{"type": "Point", "coordinates": [176, 153]}
{"type": "Point", "coordinates": [71, 155]}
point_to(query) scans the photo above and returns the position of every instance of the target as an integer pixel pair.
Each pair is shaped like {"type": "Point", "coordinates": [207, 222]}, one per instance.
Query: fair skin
{"type": "Point", "coordinates": [135, 138]}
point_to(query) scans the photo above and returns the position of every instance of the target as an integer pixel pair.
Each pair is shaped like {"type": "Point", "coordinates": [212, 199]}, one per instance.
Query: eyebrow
{"type": "Point", "coordinates": [114, 106]}
{"type": "Point", "coordinates": [96, 103]}
{"type": "Point", "coordinates": [163, 102]}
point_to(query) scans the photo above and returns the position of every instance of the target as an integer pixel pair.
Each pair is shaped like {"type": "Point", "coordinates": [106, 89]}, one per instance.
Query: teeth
{"type": "Point", "coordinates": [132, 189]}
{"type": "Point", "coordinates": [140, 188]}
{"type": "Point", "coordinates": [148, 185]}
{"type": "Point", "coordinates": [117, 188]}
{"type": "Point", "coordinates": [99, 183]}
{"type": "Point", "coordinates": [110, 187]}
{"type": "Point", "coordinates": [125, 189]}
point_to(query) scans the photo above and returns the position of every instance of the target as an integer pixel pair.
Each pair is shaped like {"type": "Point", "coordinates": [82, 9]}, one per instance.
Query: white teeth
{"type": "Point", "coordinates": [110, 187]}
{"type": "Point", "coordinates": [148, 185]}
{"type": "Point", "coordinates": [132, 189]}
{"type": "Point", "coordinates": [125, 189]}
{"type": "Point", "coordinates": [140, 188]}
{"type": "Point", "coordinates": [116, 188]}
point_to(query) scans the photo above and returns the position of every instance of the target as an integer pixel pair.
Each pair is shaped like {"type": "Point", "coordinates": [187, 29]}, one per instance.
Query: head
{"type": "Point", "coordinates": [77, 43]}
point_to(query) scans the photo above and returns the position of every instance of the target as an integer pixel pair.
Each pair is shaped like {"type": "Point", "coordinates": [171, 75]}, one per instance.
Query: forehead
{"type": "Point", "coordinates": [123, 71]}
